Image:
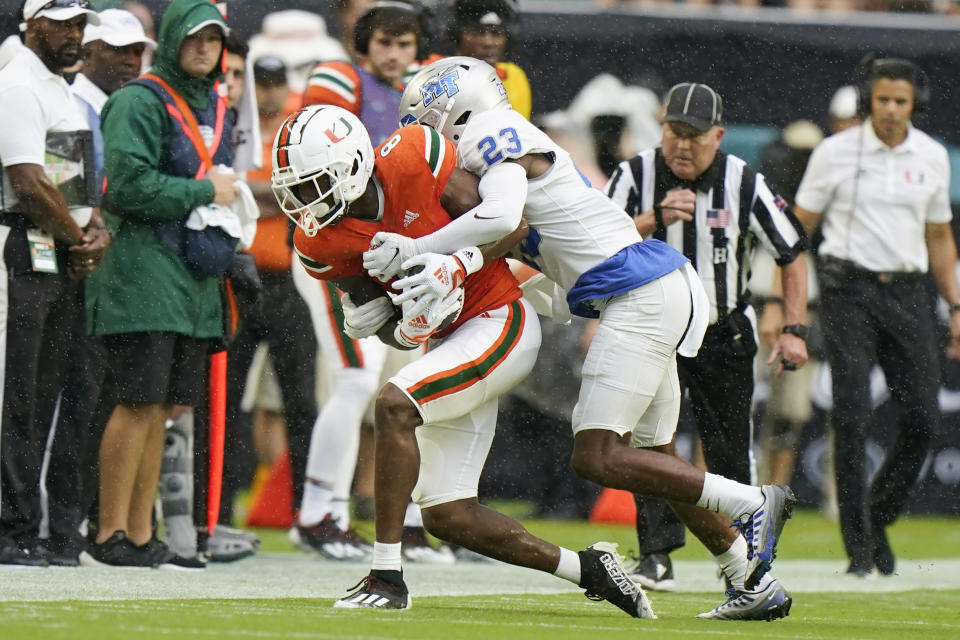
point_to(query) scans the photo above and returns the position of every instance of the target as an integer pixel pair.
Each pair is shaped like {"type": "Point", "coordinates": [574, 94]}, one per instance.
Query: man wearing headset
{"type": "Point", "coordinates": [880, 193]}
{"type": "Point", "coordinates": [386, 39]}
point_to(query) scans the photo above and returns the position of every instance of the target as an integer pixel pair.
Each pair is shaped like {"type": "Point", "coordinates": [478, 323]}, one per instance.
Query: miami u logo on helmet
{"type": "Point", "coordinates": [443, 84]}
{"type": "Point", "coordinates": [332, 134]}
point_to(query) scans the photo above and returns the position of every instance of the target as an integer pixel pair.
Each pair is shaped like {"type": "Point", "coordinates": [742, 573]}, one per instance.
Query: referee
{"type": "Point", "coordinates": [714, 209]}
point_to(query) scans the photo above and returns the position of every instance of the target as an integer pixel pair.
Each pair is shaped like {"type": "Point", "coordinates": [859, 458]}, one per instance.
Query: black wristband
{"type": "Point", "coordinates": [799, 330]}
{"type": "Point", "coordinates": [954, 308]}
{"type": "Point", "coordinates": [658, 217]}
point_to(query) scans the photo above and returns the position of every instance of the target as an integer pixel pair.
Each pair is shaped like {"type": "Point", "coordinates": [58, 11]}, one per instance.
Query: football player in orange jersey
{"type": "Point", "coordinates": [385, 38]}
{"type": "Point", "coordinates": [440, 410]}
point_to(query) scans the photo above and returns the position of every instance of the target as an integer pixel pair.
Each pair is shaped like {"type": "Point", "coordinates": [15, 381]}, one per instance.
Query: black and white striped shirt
{"type": "Point", "coordinates": [735, 211]}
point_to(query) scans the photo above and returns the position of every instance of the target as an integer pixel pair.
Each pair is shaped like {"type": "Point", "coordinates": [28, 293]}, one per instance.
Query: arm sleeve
{"type": "Point", "coordinates": [503, 190]}
{"type": "Point", "coordinates": [135, 126]}
{"type": "Point", "coordinates": [20, 109]}
{"type": "Point", "coordinates": [816, 188]}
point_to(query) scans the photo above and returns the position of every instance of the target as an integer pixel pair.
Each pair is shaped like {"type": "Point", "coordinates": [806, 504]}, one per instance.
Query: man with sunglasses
{"type": "Point", "coordinates": [52, 237]}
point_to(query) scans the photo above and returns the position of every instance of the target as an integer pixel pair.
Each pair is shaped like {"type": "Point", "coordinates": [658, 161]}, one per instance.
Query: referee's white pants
{"type": "Point", "coordinates": [629, 382]}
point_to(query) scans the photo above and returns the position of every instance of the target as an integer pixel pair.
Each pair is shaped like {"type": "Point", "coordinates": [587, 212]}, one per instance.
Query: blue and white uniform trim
{"type": "Point", "coordinates": [629, 268]}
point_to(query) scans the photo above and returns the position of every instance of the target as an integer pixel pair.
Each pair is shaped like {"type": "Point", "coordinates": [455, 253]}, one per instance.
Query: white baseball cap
{"type": "Point", "coordinates": [59, 10]}
{"type": "Point", "coordinates": [118, 28]}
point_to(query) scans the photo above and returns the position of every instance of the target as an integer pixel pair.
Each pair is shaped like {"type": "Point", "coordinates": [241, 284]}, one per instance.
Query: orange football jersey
{"type": "Point", "coordinates": [413, 166]}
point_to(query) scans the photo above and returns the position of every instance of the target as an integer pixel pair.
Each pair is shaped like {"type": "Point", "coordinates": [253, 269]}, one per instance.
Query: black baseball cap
{"type": "Point", "coordinates": [269, 71]}
{"type": "Point", "coordinates": [694, 104]}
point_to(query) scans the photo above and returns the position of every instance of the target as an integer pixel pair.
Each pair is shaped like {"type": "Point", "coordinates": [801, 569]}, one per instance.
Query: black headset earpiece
{"type": "Point", "coordinates": [867, 71]}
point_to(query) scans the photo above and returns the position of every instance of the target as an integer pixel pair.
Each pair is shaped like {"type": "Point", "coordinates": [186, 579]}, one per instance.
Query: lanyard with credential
{"type": "Point", "coordinates": [184, 114]}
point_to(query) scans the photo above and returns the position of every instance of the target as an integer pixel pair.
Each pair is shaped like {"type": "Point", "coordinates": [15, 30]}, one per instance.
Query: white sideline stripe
{"type": "Point", "coordinates": [296, 575]}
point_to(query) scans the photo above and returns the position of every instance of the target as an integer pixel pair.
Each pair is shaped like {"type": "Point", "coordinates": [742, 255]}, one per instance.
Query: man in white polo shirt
{"type": "Point", "coordinates": [48, 243]}
{"type": "Point", "coordinates": [112, 53]}
{"type": "Point", "coordinates": [879, 191]}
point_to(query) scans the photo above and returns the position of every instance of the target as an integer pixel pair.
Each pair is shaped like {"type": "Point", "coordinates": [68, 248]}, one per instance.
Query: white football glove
{"type": "Point", "coordinates": [438, 275]}
{"type": "Point", "coordinates": [414, 330]}
{"type": "Point", "coordinates": [365, 320]}
{"type": "Point", "coordinates": [387, 252]}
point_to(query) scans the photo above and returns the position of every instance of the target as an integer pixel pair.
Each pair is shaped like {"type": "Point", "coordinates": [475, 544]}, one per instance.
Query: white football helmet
{"type": "Point", "coordinates": [316, 141]}
{"type": "Point", "coordinates": [445, 93]}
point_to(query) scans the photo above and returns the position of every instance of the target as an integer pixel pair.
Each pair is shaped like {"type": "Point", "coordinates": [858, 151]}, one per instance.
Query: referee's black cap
{"type": "Point", "coordinates": [694, 104]}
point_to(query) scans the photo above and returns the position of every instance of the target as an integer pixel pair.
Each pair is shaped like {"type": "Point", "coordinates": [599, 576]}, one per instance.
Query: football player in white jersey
{"type": "Point", "coordinates": [648, 298]}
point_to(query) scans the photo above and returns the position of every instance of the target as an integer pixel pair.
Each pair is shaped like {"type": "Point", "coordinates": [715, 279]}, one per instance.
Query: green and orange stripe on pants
{"type": "Point", "coordinates": [462, 376]}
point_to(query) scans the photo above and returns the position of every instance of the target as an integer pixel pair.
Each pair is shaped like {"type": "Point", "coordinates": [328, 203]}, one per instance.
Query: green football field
{"type": "Point", "coordinates": [282, 593]}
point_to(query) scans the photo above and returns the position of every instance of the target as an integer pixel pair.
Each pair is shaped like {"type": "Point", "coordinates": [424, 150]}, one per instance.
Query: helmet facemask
{"type": "Point", "coordinates": [306, 199]}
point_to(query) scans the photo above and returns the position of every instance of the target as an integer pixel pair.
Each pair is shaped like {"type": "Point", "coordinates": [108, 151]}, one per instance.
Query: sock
{"type": "Point", "coordinates": [386, 557]}
{"type": "Point", "coordinates": [413, 517]}
{"type": "Point", "coordinates": [569, 566]}
{"type": "Point", "coordinates": [334, 441]}
{"type": "Point", "coordinates": [316, 501]}
{"type": "Point", "coordinates": [393, 577]}
{"type": "Point", "coordinates": [733, 563]}
{"type": "Point", "coordinates": [340, 511]}
{"type": "Point", "coordinates": [764, 581]}
{"type": "Point", "coordinates": [730, 498]}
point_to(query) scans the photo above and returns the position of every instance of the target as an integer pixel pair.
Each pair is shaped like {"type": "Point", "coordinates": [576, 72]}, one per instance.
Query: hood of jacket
{"type": "Point", "coordinates": [179, 18]}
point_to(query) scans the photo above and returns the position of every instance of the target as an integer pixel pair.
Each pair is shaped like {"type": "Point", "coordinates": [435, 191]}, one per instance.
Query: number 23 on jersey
{"type": "Point", "coordinates": [492, 148]}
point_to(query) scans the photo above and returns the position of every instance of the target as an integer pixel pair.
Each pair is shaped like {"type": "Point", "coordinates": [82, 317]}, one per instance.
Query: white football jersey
{"type": "Point", "coordinates": [573, 227]}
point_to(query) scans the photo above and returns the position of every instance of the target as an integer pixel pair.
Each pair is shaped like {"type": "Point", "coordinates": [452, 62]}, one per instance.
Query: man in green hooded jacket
{"type": "Point", "coordinates": [164, 134]}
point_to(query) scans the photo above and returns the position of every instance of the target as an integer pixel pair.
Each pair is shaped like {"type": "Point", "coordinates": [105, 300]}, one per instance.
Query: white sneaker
{"type": "Point", "coordinates": [228, 544]}
{"type": "Point", "coordinates": [328, 540]}
{"type": "Point", "coordinates": [769, 603]}
{"type": "Point", "coordinates": [416, 548]}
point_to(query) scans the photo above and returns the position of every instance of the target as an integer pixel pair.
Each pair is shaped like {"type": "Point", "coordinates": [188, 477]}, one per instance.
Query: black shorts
{"type": "Point", "coordinates": [158, 367]}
